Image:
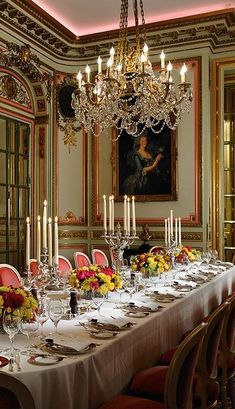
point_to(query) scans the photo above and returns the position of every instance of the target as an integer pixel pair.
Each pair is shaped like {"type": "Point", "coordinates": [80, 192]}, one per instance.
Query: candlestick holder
{"type": "Point", "coordinates": [117, 242]}
{"type": "Point", "coordinates": [28, 278]}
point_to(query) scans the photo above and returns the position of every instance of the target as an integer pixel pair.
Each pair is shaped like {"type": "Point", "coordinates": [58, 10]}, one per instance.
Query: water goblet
{"type": "Point", "coordinates": [56, 311]}
{"type": "Point", "coordinates": [11, 325]}
{"type": "Point", "coordinates": [29, 327]}
{"type": "Point", "coordinates": [42, 315]}
{"type": "Point", "coordinates": [97, 300]}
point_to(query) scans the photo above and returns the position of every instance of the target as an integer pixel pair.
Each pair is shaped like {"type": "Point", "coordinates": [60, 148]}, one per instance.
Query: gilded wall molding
{"type": "Point", "coordinates": [73, 234]}
{"type": "Point", "coordinates": [12, 89]}
{"type": "Point", "coordinates": [216, 28]}
{"type": "Point", "coordinates": [157, 235]}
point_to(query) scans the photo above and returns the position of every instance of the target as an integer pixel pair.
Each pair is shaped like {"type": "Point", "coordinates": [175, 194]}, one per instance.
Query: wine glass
{"type": "Point", "coordinates": [42, 315]}
{"type": "Point", "coordinates": [29, 327]}
{"type": "Point", "coordinates": [11, 325]}
{"type": "Point", "coordinates": [56, 311]}
{"type": "Point", "coordinates": [97, 299]}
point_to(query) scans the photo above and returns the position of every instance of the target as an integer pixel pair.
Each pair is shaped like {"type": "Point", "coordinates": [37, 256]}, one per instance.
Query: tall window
{"type": "Point", "coordinates": [14, 190]}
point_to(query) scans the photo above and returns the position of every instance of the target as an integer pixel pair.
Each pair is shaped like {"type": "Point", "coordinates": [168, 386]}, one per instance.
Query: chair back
{"type": "Point", "coordinates": [9, 276]}
{"type": "Point", "coordinates": [21, 392]}
{"type": "Point", "coordinates": [180, 375]}
{"type": "Point", "coordinates": [99, 257]}
{"type": "Point", "coordinates": [207, 362]}
{"type": "Point", "coordinates": [81, 259]}
{"type": "Point", "coordinates": [157, 249]}
{"type": "Point", "coordinates": [228, 333]}
{"type": "Point", "coordinates": [33, 265]}
{"type": "Point", "coordinates": [64, 266]}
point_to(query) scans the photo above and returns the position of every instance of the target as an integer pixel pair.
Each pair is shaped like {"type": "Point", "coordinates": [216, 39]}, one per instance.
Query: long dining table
{"type": "Point", "coordinates": [88, 380]}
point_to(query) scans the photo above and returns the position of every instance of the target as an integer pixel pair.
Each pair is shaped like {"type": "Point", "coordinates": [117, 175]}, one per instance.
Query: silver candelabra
{"type": "Point", "coordinates": [117, 242]}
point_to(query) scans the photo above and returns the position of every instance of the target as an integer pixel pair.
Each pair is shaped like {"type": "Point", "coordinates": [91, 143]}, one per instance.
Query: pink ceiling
{"type": "Point", "coordinates": [93, 16]}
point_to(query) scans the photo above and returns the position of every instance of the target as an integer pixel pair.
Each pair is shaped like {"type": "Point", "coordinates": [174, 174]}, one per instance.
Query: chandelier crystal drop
{"type": "Point", "coordinates": [129, 95]}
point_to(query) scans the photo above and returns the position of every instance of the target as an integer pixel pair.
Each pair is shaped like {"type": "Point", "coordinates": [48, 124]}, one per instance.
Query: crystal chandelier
{"type": "Point", "coordinates": [129, 94]}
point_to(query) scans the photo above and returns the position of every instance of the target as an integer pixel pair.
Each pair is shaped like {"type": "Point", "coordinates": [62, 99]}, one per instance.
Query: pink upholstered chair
{"type": "Point", "coordinates": [9, 276]}
{"type": "Point", "coordinates": [156, 249]}
{"type": "Point", "coordinates": [81, 259]}
{"type": "Point", "coordinates": [99, 257]}
{"type": "Point", "coordinates": [64, 266]}
{"type": "Point", "coordinates": [33, 265]}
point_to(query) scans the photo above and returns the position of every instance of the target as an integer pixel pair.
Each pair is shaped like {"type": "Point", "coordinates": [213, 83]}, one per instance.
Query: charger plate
{"type": "Point", "coordinates": [3, 361]}
{"type": "Point", "coordinates": [66, 350]}
{"type": "Point", "coordinates": [44, 359]}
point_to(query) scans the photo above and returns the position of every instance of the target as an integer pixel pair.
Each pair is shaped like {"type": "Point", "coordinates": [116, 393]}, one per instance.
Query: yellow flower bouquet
{"type": "Point", "coordinates": [17, 298]}
{"type": "Point", "coordinates": [151, 264]}
{"type": "Point", "coordinates": [95, 278]}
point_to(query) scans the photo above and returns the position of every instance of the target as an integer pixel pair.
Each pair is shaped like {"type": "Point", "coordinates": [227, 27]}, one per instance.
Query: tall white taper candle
{"type": "Point", "coordinates": [110, 214]}
{"type": "Point", "coordinates": [166, 239]}
{"type": "Point", "coordinates": [128, 215]}
{"type": "Point", "coordinates": [125, 214]}
{"type": "Point", "coordinates": [105, 213]}
{"type": "Point", "coordinates": [38, 239]}
{"type": "Point", "coordinates": [133, 216]}
{"type": "Point", "coordinates": [27, 252]}
{"type": "Point", "coordinates": [49, 242]}
{"type": "Point", "coordinates": [44, 225]}
{"type": "Point", "coordinates": [176, 231]}
{"type": "Point", "coordinates": [171, 224]}
{"type": "Point", "coordinates": [169, 231]}
{"type": "Point", "coordinates": [179, 231]}
{"type": "Point", "coordinates": [56, 244]}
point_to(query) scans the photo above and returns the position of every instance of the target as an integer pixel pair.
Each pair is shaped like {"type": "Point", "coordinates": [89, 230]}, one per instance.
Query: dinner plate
{"type": "Point", "coordinates": [108, 327]}
{"type": "Point", "coordinates": [65, 350]}
{"type": "Point", "coordinates": [103, 334]}
{"type": "Point", "coordinates": [44, 359]}
{"type": "Point", "coordinates": [3, 361]}
{"type": "Point", "coordinates": [137, 314]}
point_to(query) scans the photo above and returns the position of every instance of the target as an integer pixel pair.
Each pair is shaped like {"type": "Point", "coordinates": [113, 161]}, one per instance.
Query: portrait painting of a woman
{"type": "Point", "coordinates": [146, 166]}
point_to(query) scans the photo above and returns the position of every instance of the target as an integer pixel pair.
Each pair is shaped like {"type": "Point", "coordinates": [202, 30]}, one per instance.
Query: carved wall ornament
{"type": "Point", "coordinates": [65, 114]}
{"type": "Point", "coordinates": [22, 58]}
{"type": "Point", "coordinates": [73, 234]}
{"type": "Point", "coordinates": [69, 218]}
{"type": "Point", "coordinates": [12, 89]}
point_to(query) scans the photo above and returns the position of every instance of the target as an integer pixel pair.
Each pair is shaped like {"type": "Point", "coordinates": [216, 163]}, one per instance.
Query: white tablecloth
{"type": "Point", "coordinates": [90, 380]}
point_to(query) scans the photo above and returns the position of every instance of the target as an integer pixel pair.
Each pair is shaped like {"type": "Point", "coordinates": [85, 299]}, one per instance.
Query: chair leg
{"type": "Point", "coordinates": [223, 396]}
{"type": "Point", "coordinates": [231, 389]}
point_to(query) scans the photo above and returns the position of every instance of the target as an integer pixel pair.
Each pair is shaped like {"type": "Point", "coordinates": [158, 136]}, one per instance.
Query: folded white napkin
{"type": "Point", "coordinates": [117, 322]}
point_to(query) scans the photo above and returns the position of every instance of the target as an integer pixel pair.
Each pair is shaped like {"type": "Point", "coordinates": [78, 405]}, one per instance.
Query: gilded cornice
{"type": "Point", "coordinates": [216, 29]}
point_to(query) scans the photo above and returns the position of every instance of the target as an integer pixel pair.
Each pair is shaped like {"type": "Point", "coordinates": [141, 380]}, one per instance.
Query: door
{"type": "Point", "coordinates": [14, 190]}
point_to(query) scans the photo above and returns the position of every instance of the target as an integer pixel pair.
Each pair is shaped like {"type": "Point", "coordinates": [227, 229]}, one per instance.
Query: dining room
{"type": "Point", "coordinates": [116, 200]}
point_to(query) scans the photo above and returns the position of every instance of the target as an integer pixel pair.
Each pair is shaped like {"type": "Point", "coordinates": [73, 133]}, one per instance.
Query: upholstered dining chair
{"type": "Point", "coordinates": [33, 265]}
{"type": "Point", "coordinates": [226, 360]}
{"type": "Point", "coordinates": [99, 257]}
{"type": "Point", "coordinates": [176, 380]}
{"type": "Point", "coordinates": [14, 394]}
{"type": "Point", "coordinates": [81, 259]}
{"type": "Point", "coordinates": [9, 276]}
{"type": "Point", "coordinates": [64, 266]}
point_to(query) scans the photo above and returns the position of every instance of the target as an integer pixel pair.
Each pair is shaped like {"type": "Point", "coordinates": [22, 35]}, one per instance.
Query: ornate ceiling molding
{"type": "Point", "coordinates": [216, 29]}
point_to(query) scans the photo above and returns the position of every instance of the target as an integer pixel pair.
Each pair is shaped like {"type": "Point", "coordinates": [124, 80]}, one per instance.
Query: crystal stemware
{"type": "Point", "coordinates": [11, 325]}
{"type": "Point", "coordinates": [55, 311]}
{"type": "Point", "coordinates": [29, 327]}
{"type": "Point", "coordinates": [42, 315]}
{"type": "Point", "coordinates": [98, 300]}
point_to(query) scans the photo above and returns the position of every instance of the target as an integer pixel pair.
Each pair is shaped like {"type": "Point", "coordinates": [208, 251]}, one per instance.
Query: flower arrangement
{"type": "Point", "coordinates": [151, 263]}
{"type": "Point", "coordinates": [17, 298]}
{"type": "Point", "coordinates": [187, 254]}
{"type": "Point", "coordinates": [95, 278]}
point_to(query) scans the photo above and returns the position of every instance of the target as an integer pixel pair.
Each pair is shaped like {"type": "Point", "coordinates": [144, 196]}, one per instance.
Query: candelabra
{"type": "Point", "coordinates": [117, 242]}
